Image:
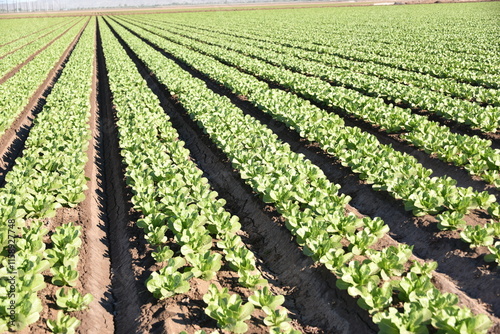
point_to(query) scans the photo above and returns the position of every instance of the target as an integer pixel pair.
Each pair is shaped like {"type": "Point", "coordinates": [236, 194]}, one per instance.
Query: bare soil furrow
{"type": "Point", "coordinates": [95, 272]}
{"type": "Point", "coordinates": [122, 235]}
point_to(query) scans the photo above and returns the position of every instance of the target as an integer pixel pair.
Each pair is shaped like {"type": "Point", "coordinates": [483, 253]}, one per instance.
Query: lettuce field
{"type": "Point", "coordinates": [299, 170]}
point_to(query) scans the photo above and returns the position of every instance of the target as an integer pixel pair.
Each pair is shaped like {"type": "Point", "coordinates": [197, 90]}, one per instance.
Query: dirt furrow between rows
{"type": "Point", "coordinates": [95, 275]}
{"type": "Point", "coordinates": [307, 288]}
{"type": "Point", "coordinates": [14, 138]}
{"type": "Point", "coordinates": [122, 234]}
{"type": "Point", "coordinates": [456, 260]}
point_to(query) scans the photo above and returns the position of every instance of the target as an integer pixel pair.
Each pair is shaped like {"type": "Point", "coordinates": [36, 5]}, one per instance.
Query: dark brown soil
{"type": "Point", "coordinates": [95, 256]}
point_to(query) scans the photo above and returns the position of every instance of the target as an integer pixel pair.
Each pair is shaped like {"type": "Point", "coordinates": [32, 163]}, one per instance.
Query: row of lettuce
{"type": "Point", "coordinates": [18, 89]}
{"type": "Point", "coordinates": [163, 180]}
{"type": "Point", "coordinates": [380, 165]}
{"type": "Point", "coordinates": [49, 175]}
{"type": "Point", "coordinates": [17, 57]}
{"type": "Point", "coordinates": [486, 119]}
{"type": "Point", "coordinates": [446, 42]}
{"type": "Point", "coordinates": [471, 152]}
{"type": "Point", "coordinates": [297, 49]}
{"type": "Point", "coordinates": [315, 212]}
{"type": "Point", "coordinates": [17, 33]}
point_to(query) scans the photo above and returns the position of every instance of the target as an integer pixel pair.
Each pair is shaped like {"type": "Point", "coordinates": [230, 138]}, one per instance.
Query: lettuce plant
{"type": "Point", "coordinates": [66, 256]}
{"type": "Point", "coordinates": [278, 322]}
{"type": "Point", "coordinates": [424, 269]}
{"type": "Point", "coordinates": [414, 319]}
{"type": "Point", "coordinates": [484, 199]}
{"type": "Point", "coordinates": [204, 265]}
{"type": "Point", "coordinates": [412, 287]}
{"type": "Point", "coordinates": [251, 281]}
{"type": "Point", "coordinates": [32, 240]}
{"type": "Point", "coordinates": [222, 223]}
{"type": "Point", "coordinates": [168, 281]}
{"type": "Point", "coordinates": [64, 275]}
{"type": "Point", "coordinates": [377, 227]}
{"type": "Point", "coordinates": [67, 235]}
{"type": "Point", "coordinates": [336, 259]}
{"type": "Point", "coordinates": [72, 300]}
{"type": "Point", "coordinates": [361, 241]}
{"type": "Point", "coordinates": [451, 220]}
{"type": "Point", "coordinates": [345, 225]}
{"type": "Point", "coordinates": [162, 254]}
{"type": "Point", "coordinates": [64, 324]}
{"type": "Point", "coordinates": [41, 205]}
{"type": "Point", "coordinates": [156, 235]}
{"type": "Point", "coordinates": [228, 310]}
{"type": "Point", "coordinates": [375, 298]}
{"type": "Point", "coordinates": [456, 320]}
{"type": "Point", "coordinates": [494, 253]}
{"type": "Point", "coordinates": [477, 235]}
{"type": "Point", "coordinates": [425, 202]}
{"type": "Point", "coordinates": [230, 242]}
{"type": "Point", "coordinates": [319, 243]}
{"type": "Point", "coordinates": [28, 308]}
{"type": "Point", "coordinates": [266, 300]}
{"type": "Point", "coordinates": [495, 228]}
{"type": "Point", "coordinates": [240, 258]}
{"type": "Point", "coordinates": [194, 240]}
{"type": "Point", "coordinates": [391, 260]}
{"type": "Point", "coordinates": [494, 210]}
{"type": "Point", "coordinates": [27, 262]}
